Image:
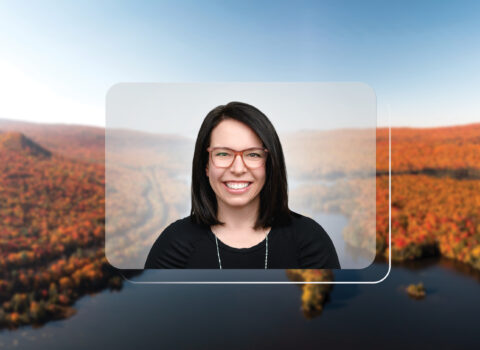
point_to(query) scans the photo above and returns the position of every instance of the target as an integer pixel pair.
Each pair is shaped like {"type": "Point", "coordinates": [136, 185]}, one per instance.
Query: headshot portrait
{"type": "Point", "coordinates": [240, 176]}
{"type": "Point", "coordinates": [240, 217]}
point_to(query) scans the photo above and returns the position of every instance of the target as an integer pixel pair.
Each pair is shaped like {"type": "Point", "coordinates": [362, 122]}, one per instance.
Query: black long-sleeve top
{"type": "Point", "coordinates": [303, 244]}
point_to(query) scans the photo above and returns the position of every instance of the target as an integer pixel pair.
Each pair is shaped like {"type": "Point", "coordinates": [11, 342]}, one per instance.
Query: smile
{"type": "Point", "coordinates": [237, 187]}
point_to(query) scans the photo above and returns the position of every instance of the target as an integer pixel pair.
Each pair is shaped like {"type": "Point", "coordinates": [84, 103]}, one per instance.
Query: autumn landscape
{"type": "Point", "coordinates": [53, 207]}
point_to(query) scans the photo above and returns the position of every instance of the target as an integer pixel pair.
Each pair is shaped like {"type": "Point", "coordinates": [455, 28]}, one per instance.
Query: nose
{"type": "Point", "coordinates": [238, 166]}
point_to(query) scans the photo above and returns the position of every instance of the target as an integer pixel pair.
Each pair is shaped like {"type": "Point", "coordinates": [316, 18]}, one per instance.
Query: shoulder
{"type": "Point", "coordinates": [315, 247]}
{"type": "Point", "coordinates": [183, 229]}
{"type": "Point", "coordinates": [306, 228]}
{"type": "Point", "coordinates": [304, 222]}
{"type": "Point", "coordinates": [175, 244]}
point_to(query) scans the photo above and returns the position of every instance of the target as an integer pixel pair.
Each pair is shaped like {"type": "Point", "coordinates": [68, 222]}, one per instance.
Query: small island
{"type": "Point", "coordinates": [416, 291]}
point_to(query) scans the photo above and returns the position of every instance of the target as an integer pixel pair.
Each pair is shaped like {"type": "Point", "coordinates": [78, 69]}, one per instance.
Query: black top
{"type": "Point", "coordinates": [303, 244]}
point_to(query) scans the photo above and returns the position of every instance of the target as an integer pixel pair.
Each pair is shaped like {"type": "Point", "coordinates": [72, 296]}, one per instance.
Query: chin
{"type": "Point", "coordinates": [237, 203]}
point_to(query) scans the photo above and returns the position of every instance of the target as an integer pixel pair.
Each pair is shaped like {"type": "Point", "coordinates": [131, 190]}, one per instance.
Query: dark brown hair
{"type": "Point", "coordinates": [274, 194]}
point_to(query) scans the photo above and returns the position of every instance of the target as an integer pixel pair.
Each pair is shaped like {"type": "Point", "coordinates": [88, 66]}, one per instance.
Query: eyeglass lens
{"type": "Point", "coordinates": [225, 157]}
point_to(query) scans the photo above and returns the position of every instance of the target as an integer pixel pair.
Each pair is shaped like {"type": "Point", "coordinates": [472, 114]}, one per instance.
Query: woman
{"type": "Point", "coordinates": [240, 217]}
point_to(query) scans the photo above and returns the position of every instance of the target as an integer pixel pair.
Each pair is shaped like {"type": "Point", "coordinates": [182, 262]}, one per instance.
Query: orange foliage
{"type": "Point", "coordinates": [52, 214]}
{"type": "Point", "coordinates": [448, 148]}
{"type": "Point", "coordinates": [430, 214]}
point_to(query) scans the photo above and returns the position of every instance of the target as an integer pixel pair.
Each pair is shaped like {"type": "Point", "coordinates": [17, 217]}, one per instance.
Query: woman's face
{"type": "Point", "coordinates": [227, 183]}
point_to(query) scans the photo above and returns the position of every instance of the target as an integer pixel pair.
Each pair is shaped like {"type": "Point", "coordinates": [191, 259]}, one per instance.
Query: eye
{"type": "Point", "coordinates": [221, 154]}
{"type": "Point", "coordinates": [254, 155]}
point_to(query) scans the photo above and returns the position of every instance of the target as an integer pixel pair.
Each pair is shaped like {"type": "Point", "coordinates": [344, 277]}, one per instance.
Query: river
{"type": "Point", "coordinates": [259, 316]}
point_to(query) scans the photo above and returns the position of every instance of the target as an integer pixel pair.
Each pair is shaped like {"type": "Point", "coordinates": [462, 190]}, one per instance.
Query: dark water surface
{"type": "Point", "coordinates": [269, 316]}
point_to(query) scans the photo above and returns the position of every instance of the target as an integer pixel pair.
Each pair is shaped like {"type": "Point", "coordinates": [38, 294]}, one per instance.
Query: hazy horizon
{"type": "Point", "coordinates": [140, 130]}
{"type": "Point", "coordinates": [156, 133]}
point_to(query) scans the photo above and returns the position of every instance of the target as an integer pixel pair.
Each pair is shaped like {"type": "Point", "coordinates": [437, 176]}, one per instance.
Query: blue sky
{"type": "Point", "coordinates": [421, 57]}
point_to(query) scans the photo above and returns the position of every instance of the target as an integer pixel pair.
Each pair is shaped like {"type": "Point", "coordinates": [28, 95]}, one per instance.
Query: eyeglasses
{"type": "Point", "coordinates": [223, 157]}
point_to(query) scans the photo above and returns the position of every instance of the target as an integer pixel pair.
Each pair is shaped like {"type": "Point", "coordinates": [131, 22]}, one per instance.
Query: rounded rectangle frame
{"type": "Point", "coordinates": [215, 277]}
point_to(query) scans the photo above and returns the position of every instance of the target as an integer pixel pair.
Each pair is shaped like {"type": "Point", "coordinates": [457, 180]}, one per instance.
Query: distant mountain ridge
{"type": "Point", "coordinates": [87, 143]}
{"type": "Point", "coordinates": [73, 141]}
{"type": "Point", "coordinates": [439, 148]}
{"type": "Point", "coordinates": [14, 141]}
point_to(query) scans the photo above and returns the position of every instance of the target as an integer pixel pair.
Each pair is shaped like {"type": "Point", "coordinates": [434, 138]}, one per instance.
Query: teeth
{"type": "Point", "coordinates": [236, 185]}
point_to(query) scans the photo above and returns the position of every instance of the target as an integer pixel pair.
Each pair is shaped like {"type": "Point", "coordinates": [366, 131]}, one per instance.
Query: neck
{"type": "Point", "coordinates": [239, 217]}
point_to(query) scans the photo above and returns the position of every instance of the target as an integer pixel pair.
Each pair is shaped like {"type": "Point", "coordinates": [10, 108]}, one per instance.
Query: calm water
{"type": "Point", "coordinates": [269, 316]}
{"type": "Point", "coordinates": [260, 316]}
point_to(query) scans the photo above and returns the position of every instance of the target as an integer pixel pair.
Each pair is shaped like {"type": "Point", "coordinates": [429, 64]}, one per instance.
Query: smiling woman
{"type": "Point", "coordinates": [240, 217]}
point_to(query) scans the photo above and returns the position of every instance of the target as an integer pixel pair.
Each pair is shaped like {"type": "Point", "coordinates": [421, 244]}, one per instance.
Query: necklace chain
{"type": "Point", "coordinates": [266, 251]}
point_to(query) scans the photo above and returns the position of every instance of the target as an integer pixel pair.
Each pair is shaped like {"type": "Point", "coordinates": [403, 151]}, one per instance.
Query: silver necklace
{"type": "Point", "coordinates": [266, 251]}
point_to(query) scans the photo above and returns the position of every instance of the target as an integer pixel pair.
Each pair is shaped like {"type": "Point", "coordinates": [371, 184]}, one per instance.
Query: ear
{"type": "Point", "coordinates": [206, 170]}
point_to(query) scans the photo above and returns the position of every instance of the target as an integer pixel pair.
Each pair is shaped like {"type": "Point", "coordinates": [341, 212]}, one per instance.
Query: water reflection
{"type": "Point", "coordinates": [182, 317]}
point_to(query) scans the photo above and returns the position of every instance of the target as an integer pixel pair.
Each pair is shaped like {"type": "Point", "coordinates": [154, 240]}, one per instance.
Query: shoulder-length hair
{"type": "Point", "coordinates": [274, 194]}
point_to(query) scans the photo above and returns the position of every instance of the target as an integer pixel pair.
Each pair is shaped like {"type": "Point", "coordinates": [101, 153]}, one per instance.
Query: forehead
{"type": "Point", "coordinates": [235, 135]}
